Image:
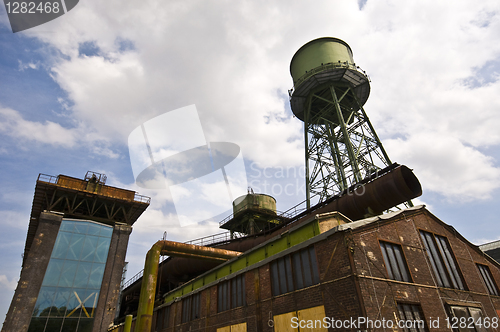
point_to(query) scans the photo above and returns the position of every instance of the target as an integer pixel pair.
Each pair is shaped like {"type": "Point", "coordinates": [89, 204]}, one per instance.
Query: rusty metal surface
{"type": "Point", "coordinates": [373, 198]}
{"type": "Point", "coordinates": [170, 248]}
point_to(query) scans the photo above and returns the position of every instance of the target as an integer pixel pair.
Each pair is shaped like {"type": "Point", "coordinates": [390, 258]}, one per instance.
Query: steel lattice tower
{"type": "Point", "coordinates": [329, 92]}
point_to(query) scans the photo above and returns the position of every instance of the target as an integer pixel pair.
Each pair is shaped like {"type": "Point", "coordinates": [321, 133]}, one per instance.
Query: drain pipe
{"type": "Point", "coordinates": [149, 277]}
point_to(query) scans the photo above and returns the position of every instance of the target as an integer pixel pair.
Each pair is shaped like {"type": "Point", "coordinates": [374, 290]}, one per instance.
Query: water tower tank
{"type": "Point", "coordinates": [254, 202]}
{"type": "Point", "coordinates": [324, 61]}
{"type": "Point", "coordinates": [252, 213]}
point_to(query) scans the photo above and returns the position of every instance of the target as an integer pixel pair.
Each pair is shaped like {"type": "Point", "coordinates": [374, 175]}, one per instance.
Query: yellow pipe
{"type": "Point", "coordinates": [149, 278]}
{"type": "Point", "coordinates": [128, 323]}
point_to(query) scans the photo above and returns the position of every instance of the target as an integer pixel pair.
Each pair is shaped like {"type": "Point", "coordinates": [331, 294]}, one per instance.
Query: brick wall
{"type": "Point", "coordinates": [354, 281]}
{"type": "Point", "coordinates": [381, 296]}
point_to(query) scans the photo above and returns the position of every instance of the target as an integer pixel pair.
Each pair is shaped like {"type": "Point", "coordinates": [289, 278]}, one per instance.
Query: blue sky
{"type": "Point", "coordinates": [72, 90]}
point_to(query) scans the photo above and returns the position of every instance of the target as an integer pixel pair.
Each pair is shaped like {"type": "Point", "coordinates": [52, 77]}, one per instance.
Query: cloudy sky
{"type": "Point", "coordinates": [74, 89]}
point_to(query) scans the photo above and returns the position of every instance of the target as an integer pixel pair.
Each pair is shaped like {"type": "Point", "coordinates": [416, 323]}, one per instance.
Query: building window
{"type": "Point", "coordinates": [191, 308]}
{"type": "Point", "coordinates": [295, 271]}
{"type": "Point", "coordinates": [488, 279]}
{"type": "Point", "coordinates": [412, 317]}
{"type": "Point", "coordinates": [231, 293]}
{"type": "Point", "coordinates": [162, 316]}
{"type": "Point", "coordinates": [468, 319]}
{"type": "Point", "coordinates": [442, 261]}
{"type": "Point", "coordinates": [72, 281]}
{"type": "Point", "coordinates": [395, 262]}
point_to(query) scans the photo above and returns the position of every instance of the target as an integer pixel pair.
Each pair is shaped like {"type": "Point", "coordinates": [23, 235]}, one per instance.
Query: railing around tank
{"type": "Point", "coordinates": [288, 214]}
{"type": "Point", "coordinates": [326, 66]}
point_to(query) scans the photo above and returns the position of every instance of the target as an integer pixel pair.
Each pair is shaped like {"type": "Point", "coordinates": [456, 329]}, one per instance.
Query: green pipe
{"type": "Point", "coordinates": [128, 323]}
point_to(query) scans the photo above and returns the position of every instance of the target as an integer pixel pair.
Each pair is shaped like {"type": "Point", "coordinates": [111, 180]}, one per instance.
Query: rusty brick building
{"type": "Point", "coordinates": [329, 273]}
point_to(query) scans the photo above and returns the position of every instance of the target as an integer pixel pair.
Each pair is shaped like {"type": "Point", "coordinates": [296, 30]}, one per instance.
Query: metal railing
{"type": "Point", "coordinates": [212, 239]}
{"type": "Point", "coordinates": [222, 237]}
{"type": "Point", "coordinates": [142, 198]}
{"type": "Point", "coordinates": [288, 214]}
{"type": "Point", "coordinates": [203, 241]}
{"type": "Point", "coordinates": [82, 185]}
{"type": "Point", "coordinates": [139, 274]}
{"type": "Point", "coordinates": [327, 66]}
{"type": "Point", "coordinates": [47, 178]}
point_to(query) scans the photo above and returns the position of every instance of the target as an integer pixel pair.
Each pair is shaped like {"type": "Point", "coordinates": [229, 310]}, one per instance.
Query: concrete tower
{"type": "Point", "coordinates": [74, 255]}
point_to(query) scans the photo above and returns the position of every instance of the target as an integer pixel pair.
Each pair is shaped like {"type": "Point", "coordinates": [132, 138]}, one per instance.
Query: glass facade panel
{"type": "Point", "coordinates": [68, 274]}
{"type": "Point", "coordinates": [81, 228]}
{"type": "Point", "coordinates": [53, 272]}
{"type": "Point", "coordinates": [101, 253]}
{"type": "Point", "coordinates": [61, 246]}
{"type": "Point", "coordinates": [71, 285]}
{"type": "Point", "coordinates": [94, 230]}
{"type": "Point", "coordinates": [106, 232]}
{"type": "Point", "coordinates": [89, 248]}
{"type": "Point", "coordinates": [75, 246]}
{"type": "Point", "coordinates": [82, 274]}
{"type": "Point", "coordinates": [60, 303]}
{"type": "Point", "coordinates": [96, 275]}
{"type": "Point", "coordinates": [44, 301]}
{"type": "Point", "coordinates": [67, 226]}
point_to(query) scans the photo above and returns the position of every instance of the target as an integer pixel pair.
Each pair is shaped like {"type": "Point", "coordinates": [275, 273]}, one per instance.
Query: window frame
{"type": "Point", "coordinates": [388, 262]}
{"type": "Point", "coordinates": [488, 280]}
{"type": "Point", "coordinates": [162, 318]}
{"type": "Point", "coordinates": [442, 260]}
{"type": "Point", "coordinates": [452, 314]}
{"type": "Point", "coordinates": [416, 309]}
{"type": "Point", "coordinates": [228, 291]}
{"type": "Point", "coordinates": [286, 277]}
{"type": "Point", "coordinates": [191, 308]}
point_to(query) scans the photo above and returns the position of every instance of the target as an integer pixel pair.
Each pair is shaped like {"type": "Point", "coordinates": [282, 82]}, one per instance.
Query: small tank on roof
{"type": "Point", "coordinates": [254, 202]}
{"type": "Point", "coordinates": [252, 213]}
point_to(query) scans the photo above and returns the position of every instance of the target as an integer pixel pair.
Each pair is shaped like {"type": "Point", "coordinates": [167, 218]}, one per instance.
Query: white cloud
{"type": "Point", "coordinates": [445, 165]}
{"type": "Point", "coordinates": [30, 65]}
{"type": "Point", "coordinates": [6, 283]}
{"type": "Point", "coordinates": [231, 59]}
{"type": "Point", "coordinates": [14, 125]}
{"type": "Point", "coordinates": [14, 219]}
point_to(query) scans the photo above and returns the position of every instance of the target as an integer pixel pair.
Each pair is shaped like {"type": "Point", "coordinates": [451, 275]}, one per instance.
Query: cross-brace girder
{"type": "Point", "coordinates": [342, 147]}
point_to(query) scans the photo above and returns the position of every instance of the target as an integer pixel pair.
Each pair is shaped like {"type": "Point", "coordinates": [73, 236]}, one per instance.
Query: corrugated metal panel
{"type": "Point", "coordinates": [316, 315]}
{"type": "Point", "coordinates": [283, 323]}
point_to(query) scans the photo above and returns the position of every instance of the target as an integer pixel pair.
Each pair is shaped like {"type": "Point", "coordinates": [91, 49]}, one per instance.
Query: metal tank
{"type": "Point", "coordinates": [254, 201]}
{"type": "Point", "coordinates": [329, 92]}
{"type": "Point", "coordinates": [252, 213]}
{"type": "Point", "coordinates": [321, 61]}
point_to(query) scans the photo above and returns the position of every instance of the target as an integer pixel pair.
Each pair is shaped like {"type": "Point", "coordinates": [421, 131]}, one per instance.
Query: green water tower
{"type": "Point", "coordinates": [329, 92]}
